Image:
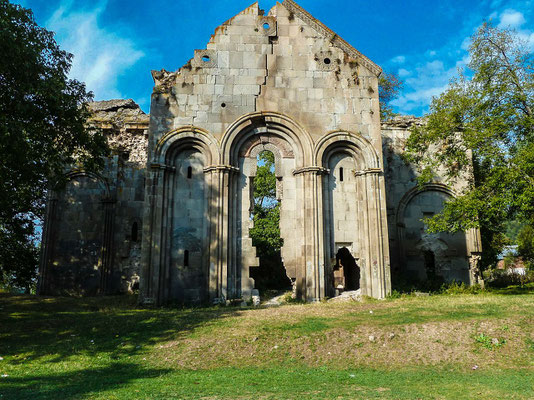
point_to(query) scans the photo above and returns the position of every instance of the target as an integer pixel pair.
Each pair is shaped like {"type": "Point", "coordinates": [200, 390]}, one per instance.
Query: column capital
{"type": "Point", "coordinates": [311, 170]}
{"type": "Point", "coordinates": [228, 168]}
{"type": "Point", "coordinates": [377, 171]}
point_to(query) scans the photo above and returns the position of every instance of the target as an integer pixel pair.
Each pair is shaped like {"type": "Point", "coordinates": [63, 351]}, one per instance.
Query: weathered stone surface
{"type": "Point", "coordinates": [92, 233]}
{"type": "Point", "coordinates": [415, 253]}
{"type": "Point", "coordinates": [171, 212]}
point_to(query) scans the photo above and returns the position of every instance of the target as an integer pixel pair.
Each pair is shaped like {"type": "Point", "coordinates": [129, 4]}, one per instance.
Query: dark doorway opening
{"type": "Point", "coordinates": [348, 272]}
{"type": "Point", "coordinates": [430, 264]}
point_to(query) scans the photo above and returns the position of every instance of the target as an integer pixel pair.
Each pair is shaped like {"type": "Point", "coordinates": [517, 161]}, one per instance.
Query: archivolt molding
{"type": "Point", "coordinates": [266, 123]}
{"type": "Point", "coordinates": [410, 194]}
{"type": "Point", "coordinates": [186, 137]}
{"type": "Point", "coordinates": [258, 148]}
{"type": "Point", "coordinates": [352, 143]}
{"type": "Point", "coordinates": [77, 173]}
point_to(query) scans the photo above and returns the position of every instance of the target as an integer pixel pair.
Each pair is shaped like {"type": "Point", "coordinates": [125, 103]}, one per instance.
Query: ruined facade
{"type": "Point", "coordinates": [172, 209]}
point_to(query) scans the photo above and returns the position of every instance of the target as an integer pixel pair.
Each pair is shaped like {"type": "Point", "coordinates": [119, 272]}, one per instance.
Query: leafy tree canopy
{"type": "Point", "coordinates": [525, 245]}
{"type": "Point", "coordinates": [42, 129]}
{"type": "Point", "coordinates": [483, 122]}
{"type": "Point", "coordinates": [266, 231]}
{"type": "Point", "coordinates": [389, 87]}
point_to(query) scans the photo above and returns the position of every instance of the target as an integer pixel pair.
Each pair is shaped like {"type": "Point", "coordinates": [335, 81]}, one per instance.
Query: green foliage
{"type": "Point", "coordinates": [498, 278]}
{"type": "Point", "coordinates": [456, 288]}
{"type": "Point", "coordinates": [525, 245]}
{"type": "Point", "coordinates": [513, 228]}
{"type": "Point", "coordinates": [483, 123]}
{"type": "Point", "coordinates": [42, 129]}
{"type": "Point", "coordinates": [488, 342]}
{"type": "Point", "coordinates": [266, 231]}
{"type": "Point", "coordinates": [389, 87]}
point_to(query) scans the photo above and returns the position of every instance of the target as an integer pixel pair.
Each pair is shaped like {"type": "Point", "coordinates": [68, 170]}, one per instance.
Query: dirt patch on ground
{"type": "Point", "coordinates": [324, 335]}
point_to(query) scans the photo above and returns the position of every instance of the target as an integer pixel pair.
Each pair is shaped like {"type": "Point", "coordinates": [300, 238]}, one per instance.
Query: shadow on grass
{"type": "Point", "coordinates": [57, 328]}
{"type": "Point", "coordinates": [514, 290]}
{"type": "Point", "coordinates": [76, 384]}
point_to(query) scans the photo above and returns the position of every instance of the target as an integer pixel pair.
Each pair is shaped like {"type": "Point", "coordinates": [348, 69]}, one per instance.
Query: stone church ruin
{"type": "Point", "coordinates": [171, 213]}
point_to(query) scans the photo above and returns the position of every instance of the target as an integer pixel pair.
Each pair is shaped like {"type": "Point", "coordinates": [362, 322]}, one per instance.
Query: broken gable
{"type": "Point", "coordinates": [286, 60]}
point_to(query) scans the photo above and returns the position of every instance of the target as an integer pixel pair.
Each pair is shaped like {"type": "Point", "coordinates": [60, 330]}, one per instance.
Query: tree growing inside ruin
{"type": "Point", "coordinates": [266, 231]}
{"type": "Point", "coordinates": [42, 129]}
{"type": "Point", "coordinates": [484, 121]}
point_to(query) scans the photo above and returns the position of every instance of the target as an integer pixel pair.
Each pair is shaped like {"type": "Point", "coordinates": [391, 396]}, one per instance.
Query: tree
{"type": "Point", "coordinates": [389, 87]}
{"type": "Point", "coordinates": [42, 129]}
{"type": "Point", "coordinates": [483, 122]}
{"type": "Point", "coordinates": [525, 245]}
{"type": "Point", "coordinates": [266, 231]}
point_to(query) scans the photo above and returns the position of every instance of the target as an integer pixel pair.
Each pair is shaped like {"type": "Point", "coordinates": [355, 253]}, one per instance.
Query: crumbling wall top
{"type": "Point", "coordinates": [403, 122]}
{"type": "Point", "coordinates": [125, 126]}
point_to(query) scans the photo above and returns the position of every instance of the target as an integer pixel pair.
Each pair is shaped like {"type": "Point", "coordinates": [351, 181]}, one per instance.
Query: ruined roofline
{"type": "Point", "coordinates": [335, 39]}
{"type": "Point", "coordinates": [113, 105]}
{"type": "Point", "coordinates": [403, 121]}
{"type": "Point", "coordinates": [117, 113]}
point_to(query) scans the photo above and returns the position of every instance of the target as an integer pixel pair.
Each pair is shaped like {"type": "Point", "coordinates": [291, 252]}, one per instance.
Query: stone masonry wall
{"type": "Point", "coordinates": [92, 235]}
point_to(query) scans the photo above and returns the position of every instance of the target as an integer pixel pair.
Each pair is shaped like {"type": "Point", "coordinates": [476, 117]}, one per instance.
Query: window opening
{"type": "Point", "coordinates": [327, 61]}
{"type": "Point", "coordinates": [341, 174]}
{"type": "Point", "coordinates": [266, 25]}
{"type": "Point", "coordinates": [186, 258]}
{"type": "Point", "coordinates": [430, 264]}
{"type": "Point", "coordinates": [134, 232]}
{"type": "Point", "coordinates": [189, 172]}
{"type": "Point", "coordinates": [205, 58]}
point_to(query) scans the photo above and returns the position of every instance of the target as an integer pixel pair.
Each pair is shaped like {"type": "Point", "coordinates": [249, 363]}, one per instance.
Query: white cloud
{"type": "Point", "coordinates": [399, 59]}
{"type": "Point", "coordinates": [528, 38]}
{"type": "Point", "coordinates": [100, 54]}
{"type": "Point", "coordinates": [511, 19]}
{"type": "Point", "coordinates": [403, 73]}
{"type": "Point", "coordinates": [429, 79]}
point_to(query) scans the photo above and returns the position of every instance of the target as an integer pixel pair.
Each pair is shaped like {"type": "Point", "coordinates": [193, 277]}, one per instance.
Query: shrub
{"type": "Point", "coordinates": [460, 288]}
{"type": "Point", "coordinates": [502, 278]}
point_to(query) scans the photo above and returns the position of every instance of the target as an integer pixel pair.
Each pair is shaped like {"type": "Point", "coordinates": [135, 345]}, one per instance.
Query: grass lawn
{"type": "Point", "coordinates": [438, 347]}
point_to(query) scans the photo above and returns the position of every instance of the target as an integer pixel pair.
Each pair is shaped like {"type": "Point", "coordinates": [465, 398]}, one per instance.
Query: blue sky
{"type": "Point", "coordinates": [117, 42]}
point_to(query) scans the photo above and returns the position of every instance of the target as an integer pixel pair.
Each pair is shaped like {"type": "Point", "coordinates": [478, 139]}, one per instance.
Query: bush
{"type": "Point", "coordinates": [460, 288]}
{"type": "Point", "coordinates": [503, 278]}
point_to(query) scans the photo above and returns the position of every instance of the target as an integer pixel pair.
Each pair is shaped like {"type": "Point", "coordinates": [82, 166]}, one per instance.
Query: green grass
{"type": "Point", "coordinates": [436, 347]}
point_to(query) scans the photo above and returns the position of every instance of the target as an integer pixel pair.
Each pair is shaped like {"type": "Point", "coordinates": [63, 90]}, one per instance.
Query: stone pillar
{"type": "Point", "coordinates": [475, 275]}
{"type": "Point", "coordinates": [310, 276]}
{"type": "Point", "coordinates": [107, 246]}
{"type": "Point", "coordinates": [474, 250]}
{"type": "Point", "coordinates": [155, 236]}
{"type": "Point", "coordinates": [221, 210]}
{"type": "Point", "coordinates": [47, 243]}
{"type": "Point", "coordinates": [377, 282]}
